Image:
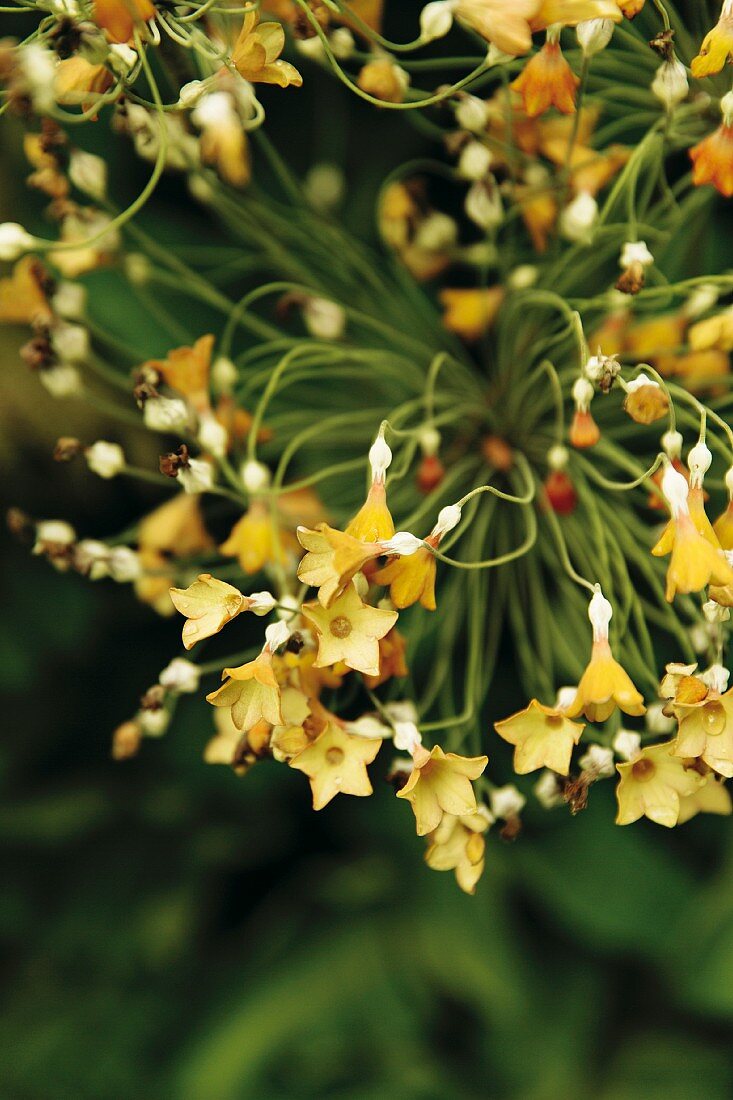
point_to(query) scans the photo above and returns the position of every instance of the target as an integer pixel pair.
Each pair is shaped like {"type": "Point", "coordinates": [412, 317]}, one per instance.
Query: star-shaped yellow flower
{"type": "Point", "coordinates": [652, 786]}
{"type": "Point", "coordinates": [544, 738]}
{"type": "Point", "coordinates": [336, 764]}
{"type": "Point", "coordinates": [252, 693]}
{"type": "Point", "coordinates": [349, 631]}
{"type": "Point", "coordinates": [440, 783]}
{"type": "Point", "coordinates": [208, 604]}
{"type": "Point", "coordinates": [332, 560]}
{"type": "Point", "coordinates": [256, 54]}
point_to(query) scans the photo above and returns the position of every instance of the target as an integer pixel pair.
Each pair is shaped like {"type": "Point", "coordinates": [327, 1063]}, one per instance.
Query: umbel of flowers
{"type": "Point", "coordinates": [547, 418]}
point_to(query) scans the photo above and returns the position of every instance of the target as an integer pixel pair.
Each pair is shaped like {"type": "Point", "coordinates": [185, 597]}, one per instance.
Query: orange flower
{"type": "Point", "coordinates": [584, 432]}
{"type": "Point", "coordinates": [118, 17]}
{"type": "Point", "coordinates": [410, 579]}
{"type": "Point", "coordinates": [713, 159]}
{"type": "Point", "coordinates": [470, 312]}
{"type": "Point", "coordinates": [630, 8]}
{"type": "Point", "coordinates": [186, 370]}
{"type": "Point", "coordinates": [22, 295]}
{"type": "Point", "coordinates": [384, 80]}
{"type": "Point", "coordinates": [76, 79]}
{"type": "Point", "coordinates": [604, 685]}
{"type": "Point", "coordinates": [547, 81]}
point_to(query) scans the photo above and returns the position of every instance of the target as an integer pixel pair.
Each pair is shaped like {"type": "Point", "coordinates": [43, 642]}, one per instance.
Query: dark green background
{"type": "Point", "coordinates": [174, 931]}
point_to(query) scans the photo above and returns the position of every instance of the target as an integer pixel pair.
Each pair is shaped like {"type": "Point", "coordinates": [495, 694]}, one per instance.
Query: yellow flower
{"type": "Point", "coordinates": [544, 738]}
{"type": "Point", "coordinates": [225, 145]}
{"type": "Point", "coordinates": [391, 660]}
{"type": "Point", "coordinates": [706, 731]}
{"type": "Point", "coordinates": [336, 764]}
{"type": "Point", "coordinates": [717, 46]}
{"type": "Point", "coordinates": [652, 786]}
{"type": "Point", "coordinates": [714, 332]}
{"type": "Point", "coordinates": [384, 80]}
{"type": "Point", "coordinates": [547, 81]}
{"type": "Point", "coordinates": [411, 579]}
{"type": "Point", "coordinates": [208, 604]}
{"type": "Point", "coordinates": [604, 686]}
{"type": "Point", "coordinates": [186, 370]}
{"type": "Point", "coordinates": [694, 563]}
{"type": "Point", "coordinates": [239, 750]}
{"type": "Point", "coordinates": [76, 78]}
{"type": "Point", "coordinates": [254, 540]}
{"type": "Point", "coordinates": [470, 312]}
{"type": "Point", "coordinates": [712, 798]}
{"type": "Point", "coordinates": [256, 54]}
{"type": "Point", "coordinates": [252, 693]}
{"type": "Point", "coordinates": [630, 8]}
{"type": "Point", "coordinates": [175, 529]}
{"type": "Point", "coordinates": [440, 783]}
{"type": "Point", "coordinates": [458, 845]}
{"type": "Point", "coordinates": [373, 522]}
{"type": "Point", "coordinates": [723, 528]}
{"type": "Point", "coordinates": [332, 560]}
{"type": "Point", "coordinates": [119, 17]}
{"type": "Point", "coordinates": [23, 296]}
{"type": "Point", "coordinates": [349, 631]}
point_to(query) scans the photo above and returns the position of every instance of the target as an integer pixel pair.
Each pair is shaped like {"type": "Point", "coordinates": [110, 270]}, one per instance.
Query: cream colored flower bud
{"type": "Point", "coordinates": [699, 461]}
{"type": "Point", "coordinates": [197, 476]}
{"type": "Point", "coordinates": [69, 301]}
{"type": "Point", "coordinates": [507, 801]}
{"type": "Point", "coordinates": [676, 490]}
{"type": "Point", "coordinates": [598, 760]}
{"type": "Point", "coordinates": [483, 205]}
{"type": "Point", "coordinates": [600, 613]}
{"type": "Point", "coordinates": [671, 443]}
{"type": "Point", "coordinates": [716, 677]}
{"type": "Point", "coordinates": [627, 744]}
{"type": "Point", "coordinates": [165, 414]}
{"type": "Point", "coordinates": [657, 722]}
{"type": "Point", "coordinates": [635, 252]}
{"type": "Point", "coordinates": [558, 457]}
{"type": "Point", "coordinates": [448, 518]}
{"type": "Point", "coordinates": [670, 84]}
{"type": "Point", "coordinates": [70, 342]}
{"type": "Point", "coordinates": [402, 543]}
{"type": "Point", "coordinates": [436, 233]}
{"type": "Point", "coordinates": [255, 476]}
{"type": "Point", "coordinates": [324, 319]}
{"type": "Point", "coordinates": [380, 457]}
{"type": "Point", "coordinates": [262, 603]}
{"type": "Point", "coordinates": [547, 791]}
{"type": "Point", "coordinates": [582, 392]}
{"type": "Point", "coordinates": [125, 565]}
{"type": "Point", "coordinates": [578, 219]}
{"type": "Point", "coordinates": [474, 161]}
{"type": "Point", "coordinates": [213, 436]}
{"type": "Point", "coordinates": [594, 35]}
{"type": "Point", "coordinates": [63, 380]}
{"type": "Point", "coordinates": [436, 19]}
{"type": "Point", "coordinates": [406, 736]}
{"type": "Point", "coordinates": [181, 675]}
{"type": "Point", "coordinates": [224, 374]}
{"type": "Point", "coordinates": [523, 276]}
{"type": "Point", "coordinates": [276, 635]}
{"type": "Point", "coordinates": [88, 173]}
{"type": "Point", "coordinates": [14, 241]}
{"type": "Point", "coordinates": [472, 113]}
{"type": "Point", "coordinates": [105, 459]}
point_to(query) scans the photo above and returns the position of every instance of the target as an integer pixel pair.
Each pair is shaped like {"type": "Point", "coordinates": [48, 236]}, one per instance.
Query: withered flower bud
{"type": "Point", "coordinates": [126, 740]}
{"type": "Point", "coordinates": [647, 404]}
{"type": "Point", "coordinates": [67, 447]}
{"type": "Point", "coordinates": [154, 698]}
{"type": "Point", "coordinates": [632, 280]}
{"type": "Point", "coordinates": [142, 392]}
{"type": "Point", "coordinates": [511, 828]}
{"type": "Point", "coordinates": [20, 525]}
{"type": "Point", "coordinates": [663, 43]}
{"type": "Point", "coordinates": [171, 463]}
{"type": "Point", "coordinates": [38, 353]}
{"type": "Point", "coordinates": [295, 642]}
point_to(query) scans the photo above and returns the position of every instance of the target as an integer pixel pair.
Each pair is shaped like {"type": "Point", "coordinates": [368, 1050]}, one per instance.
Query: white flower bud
{"type": "Point", "coordinates": [506, 801]}
{"type": "Point", "coordinates": [224, 374]}
{"type": "Point", "coordinates": [672, 444]}
{"type": "Point", "coordinates": [582, 392]}
{"type": "Point", "coordinates": [105, 459]}
{"type": "Point", "coordinates": [369, 727]}
{"type": "Point", "coordinates": [716, 678]}
{"type": "Point", "coordinates": [558, 457]}
{"type": "Point", "coordinates": [406, 737]}
{"type": "Point", "coordinates": [657, 722]}
{"type": "Point", "coordinates": [429, 440]}
{"type": "Point", "coordinates": [255, 476]}
{"type": "Point", "coordinates": [635, 252]}
{"type": "Point", "coordinates": [600, 613]}
{"type": "Point", "coordinates": [181, 675]}
{"type": "Point", "coordinates": [578, 219]}
{"type": "Point", "coordinates": [88, 173]}
{"type": "Point", "coordinates": [472, 113]}
{"type": "Point", "coordinates": [627, 744]}
{"type": "Point", "coordinates": [726, 108]}
{"type": "Point", "coordinates": [124, 564]}
{"type": "Point", "coordinates": [436, 233]}
{"type": "Point", "coordinates": [670, 84]}
{"type": "Point", "coordinates": [324, 186]}
{"type": "Point", "coordinates": [14, 241]}
{"type": "Point", "coordinates": [448, 518]}
{"type": "Point", "coordinates": [70, 342]}
{"type": "Point", "coordinates": [165, 414]}
{"type": "Point", "coordinates": [62, 380]}
{"type": "Point", "coordinates": [547, 791]}
{"type": "Point", "coordinates": [276, 634]}
{"type": "Point", "coordinates": [380, 457]}
{"type": "Point", "coordinates": [699, 461]}
{"type": "Point", "coordinates": [565, 697]}
{"type": "Point", "coordinates": [191, 93]}
{"type": "Point", "coordinates": [483, 205]}
{"type": "Point", "coordinates": [598, 760]}
{"type": "Point", "coordinates": [402, 543]}
{"type": "Point", "coordinates": [342, 43]}
{"type": "Point", "coordinates": [715, 612]}
{"type": "Point", "coordinates": [523, 276]}
{"type": "Point", "coordinates": [69, 301]}
{"type": "Point", "coordinates": [436, 19]}
{"type": "Point", "coordinates": [91, 558]}
{"type": "Point", "coordinates": [676, 490]}
{"type": "Point", "coordinates": [53, 530]}
{"type": "Point", "coordinates": [324, 319]}
{"type": "Point", "coordinates": [212, 436]}
{"type": "Point", "coordinates": [474, 161]}
{"type": "Point", "coordinates": [594, 35]}
{"type": "Point", "coordinates": [154, 722]}
{"type": "Point", "coordinates": [197, 476]}
{"type": "Point", "coordinates": [122, 58]}
{"type": "Point", "coordinates": [262, 603]}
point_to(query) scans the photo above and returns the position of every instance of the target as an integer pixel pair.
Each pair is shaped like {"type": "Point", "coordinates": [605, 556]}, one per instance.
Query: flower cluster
{"type": "Point", "coordinates": [557, 385]}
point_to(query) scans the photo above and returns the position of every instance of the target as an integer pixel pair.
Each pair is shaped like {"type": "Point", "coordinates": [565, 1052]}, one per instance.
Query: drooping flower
{"type": "Point", "coordinates": [23, 298]}
{"type": "Point", "coordinates": [235, 748]}
{"type": "Point", "coordinates": [653, 785]}
{"type": "Point", "coordinates": [544, 737]}
{"type": "Point", "coordinates": [717, 46]}
{"type": "Point", "coordinates": [349, 631]}
{"type": "Point", "coordinates": [251, 693]}
{"type": "Point", "coordinates": [336, 763]}
{"type": "Point", "coordinates": [384, 79]}
{"type": "Point", "coordinates": [547, 81]}
{"type": "Point", "coordinates": [604, 685]}
{"type": "Point", "coordinates": [440, 783]}
{"type": "Point", "coordinates": [256, 539]}
{"type": "Point", "coordinates": [208, 604]}
{"type": "Point", "coordinates": [712, 158]}
{"type": "Point", "coordinates": [411, 579]}
{"type": "Point", "coordinates": [695, 561]}
{"type": "Point", "coordinates": [458, 845]}
{"type": "Point", "coordinates": [174, 530]}
{"type": "Point", "coordinates": [373, 522]}
{"type": "Point", "coordinates": [332, 560]}
{"type": "Point", "coordinates": [119, 17]}
{"type": "Point", "coordinates": [76, 79]}
{"type": "Point", "coordinates": [256, 54]}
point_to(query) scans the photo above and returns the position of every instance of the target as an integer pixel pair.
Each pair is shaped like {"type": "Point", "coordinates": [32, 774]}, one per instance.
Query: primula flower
{"type": "Point", "coordinates": [373, 522]}
{"type": "Point", "coordinates": [336, 764]}
{"type": "Point", "coordinates": [458, 845]}
{"type": "Point", "coordinates": [604, 685]}
{"type": "Point", "coordinates": [175, 529]}
{"type": "Point", "coordinates": [410, 579]}
{"type": "Point", "coordinates": [119, 17]}
{"type": "Point", "coordinates": [332, 560]}
{"type": "Point", "coordinates": [208, 604]}
{"type": "Point", "coordinates": [251, 693]}
{"type": "Point", "coordinates": [547, 81]}
{"type": "Point", "coordinates": [712, 158]}
{"type": "Point", "coordinates": [349, 631]}
{"type": "Point", "coordinates": [440, 783]}
{"type": "Point", "coordinates": [653, 786]}
{"type": "Point", "coordinates": [256, 54]}
{"type": "Point", "coordinates": [544, 738]}
{"type": "Point", "coordinates": [706, 731]}
{"type": "Point", "coordinates": [23, 294]}
{"type": "Point", "coordinates": [695, 561]}
{"type": "Point", "coordinates": [713, 797]}
{"type": "Point", "coordinates": [186, 370]}
{"type": "Point", "coordinates": [470, 312]}
{"type": "Point", "coordinates": [717, 46]}
{"type": "Point", "coordinates": [254, 539]}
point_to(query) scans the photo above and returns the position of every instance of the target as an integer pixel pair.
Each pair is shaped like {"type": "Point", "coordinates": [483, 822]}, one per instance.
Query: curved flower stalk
{"type": "Point", "coordinates": [398, 478]}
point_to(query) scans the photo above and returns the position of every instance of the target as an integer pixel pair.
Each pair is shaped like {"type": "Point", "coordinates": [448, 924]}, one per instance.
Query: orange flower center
{"type": "Point", "coordinates": [643, 770]}
{"type": "Point", "coordinates": [334, 755]}
{"type": "Point", "coordinates": [340, 627]}
{"type": "Point", "coordinates": [554, 721]}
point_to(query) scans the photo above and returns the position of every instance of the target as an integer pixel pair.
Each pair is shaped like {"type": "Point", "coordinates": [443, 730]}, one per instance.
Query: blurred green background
{"type": "Point", "coordinates": [173, 930]}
